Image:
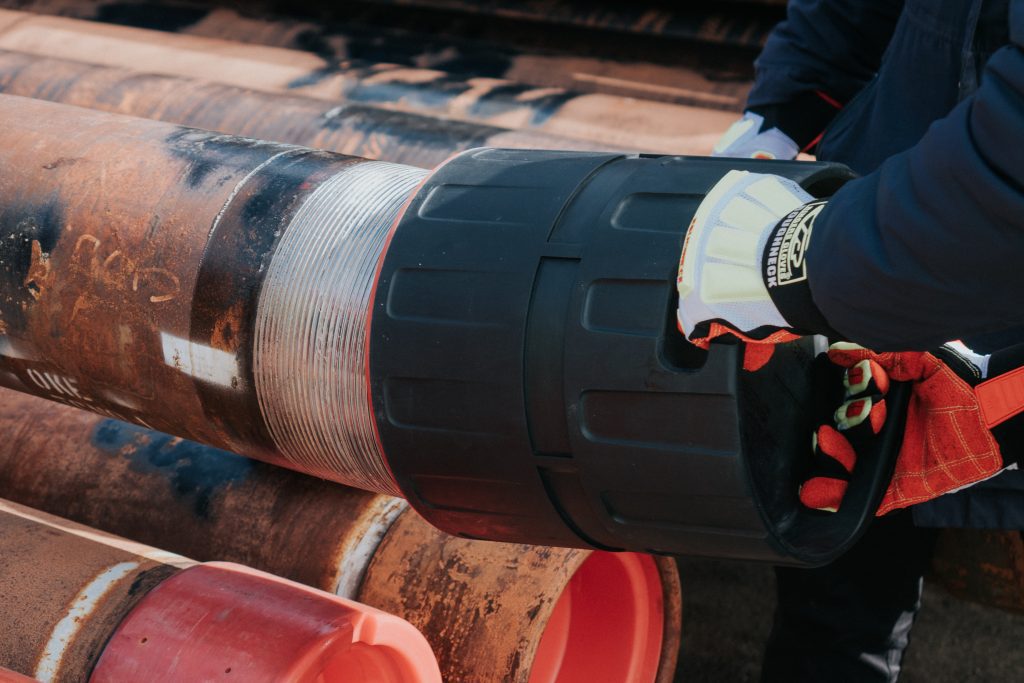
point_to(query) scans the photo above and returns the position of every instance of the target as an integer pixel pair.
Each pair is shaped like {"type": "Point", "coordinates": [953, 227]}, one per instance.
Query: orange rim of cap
{"type": "Point", "coordinates": [221, 621]}
{"type": "Point", "coordinates": [608, 624]}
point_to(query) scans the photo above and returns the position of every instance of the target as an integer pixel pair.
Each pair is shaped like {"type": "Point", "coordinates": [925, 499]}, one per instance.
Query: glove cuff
{"type": "Point", "coordinates": [784, 269]}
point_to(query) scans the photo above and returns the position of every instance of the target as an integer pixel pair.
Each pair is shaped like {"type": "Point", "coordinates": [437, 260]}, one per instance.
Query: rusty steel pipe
{"type": "Point", "coordinates": [195, 500]}
{"type": "Point", "coordinates": [528, 613]}
{"type": "Point", "coordinates": [132, 278]}
{"type": "Point", "coordinates": [381, 326]}
{"type": "Point", "coordinates": [494, 104]}
{"type": "Point", "coordinates": [213, 505]}
{"type": "Point", "coordinates": [352, 129]}
{"type": "Point", "coordinates": [84, 605]}
{"type": "Point", "coordinates": [327, 61]}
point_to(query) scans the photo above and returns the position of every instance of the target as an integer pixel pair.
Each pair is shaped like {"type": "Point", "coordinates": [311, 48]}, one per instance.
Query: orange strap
{"type": "Point", "coordinates": [1002, 397]}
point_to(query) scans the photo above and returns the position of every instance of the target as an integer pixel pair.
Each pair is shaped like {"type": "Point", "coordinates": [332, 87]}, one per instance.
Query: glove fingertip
{"type": "Point", "coordinates": [829, 442]}
{"type": "Point", "coordinates": [823, 493]}
{"type": "Point", "coordinates": [877, 416]}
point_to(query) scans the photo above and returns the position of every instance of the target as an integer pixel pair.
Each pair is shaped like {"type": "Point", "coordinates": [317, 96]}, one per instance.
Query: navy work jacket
{"type": "Point", "coordinates": [928, 245]}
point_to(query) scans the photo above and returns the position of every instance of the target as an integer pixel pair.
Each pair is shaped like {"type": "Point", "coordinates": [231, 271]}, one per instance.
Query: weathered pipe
{"type": "Point", "coordinates": [213, 505]}
{"type": "Point", "coordinates": [381, 326]}
{"type": "Point", "coordinates": [495, 105]}
{"type": "Point", "coordinates": [82, 605]}
{"type": "Point", "coordinates": [353, 129]}
{"type": "Point", "coordinates": [374, 63]}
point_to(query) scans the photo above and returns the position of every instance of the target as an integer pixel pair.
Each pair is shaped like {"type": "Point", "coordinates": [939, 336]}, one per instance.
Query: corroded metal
{"type": "Point", "coordinates": [66, 590]}
{"type": "Point", "coordinates": [208, 504]}
{"type": "Point", "coordinates": [982, 566]}
{"type": "Point", "coordinates": [83, 605]}
{"type": "Point", "coordinates": [198, 501]}
{"type": "Point", "coordinates": [477, 111]}
{"type": "Point", "coordinates": [133, 271]}
{"type": "Point", "coordinates": [353, 129]}
{"type": "Point", "coordinates": [484, 606]}
{"type": "Point", "coordinates": [334, 53]}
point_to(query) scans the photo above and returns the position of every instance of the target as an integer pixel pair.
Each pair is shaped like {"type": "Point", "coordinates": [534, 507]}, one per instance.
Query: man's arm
{"type": "Point", "coordinates": [931, 246]}
{"type": "Point", "coordinates": [833, 46]}
{"type": "Point", "coordinates": [812, 63]}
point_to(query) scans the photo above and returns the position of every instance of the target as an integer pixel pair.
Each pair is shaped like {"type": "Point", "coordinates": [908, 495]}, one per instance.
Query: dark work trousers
{"type": "Point", "coordinates": [850, 620]}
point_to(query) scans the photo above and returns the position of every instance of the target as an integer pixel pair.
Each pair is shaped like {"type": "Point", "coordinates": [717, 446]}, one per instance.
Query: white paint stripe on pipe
{"type": "Point", "coordinates": [356, 556]}
{"type": "Point", "coordinates": [83, 605]}
{"type": "Point", "coordinates": [200, 361]}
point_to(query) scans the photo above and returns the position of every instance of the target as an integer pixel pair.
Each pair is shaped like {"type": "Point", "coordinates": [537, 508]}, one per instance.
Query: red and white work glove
{"type": "Point", "coordinates": [744, 262]}
{"type": "Point", "coordinates": [964, 422]}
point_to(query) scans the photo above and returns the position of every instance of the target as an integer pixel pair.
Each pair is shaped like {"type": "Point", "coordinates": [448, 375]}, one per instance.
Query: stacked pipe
{"type": "Point", "coordinates": [712, 76]}
{"type": "Point", "coordinates": [239, 293]}
{"type": "Point", "coordinates": [210, 504]}
{"type": "Point", "coordinates": [93, 607]}
{"type": "Point", "coordinates": [488, 108]}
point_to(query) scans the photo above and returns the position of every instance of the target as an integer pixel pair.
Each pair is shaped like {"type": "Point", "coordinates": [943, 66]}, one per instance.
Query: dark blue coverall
{"type": "Point", "coordinates": [926, 247]}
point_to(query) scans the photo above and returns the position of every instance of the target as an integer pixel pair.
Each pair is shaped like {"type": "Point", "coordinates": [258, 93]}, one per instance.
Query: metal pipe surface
{"type": "Point", "coordinates": [84, 605]}
{"type": "Point", "coordinates": [482, 606]}
{"type": "Point", "coordinates": [353, 129]}
{"type": "Point", "coordinates": [199, 284]}
{"type": "Point", "coordinates": [196, 500]}
{"type": "Point", "coordinates": [325, 58]}
{"type": "Point", "coordinates": [494, 105]}
{"type": "Point", "coordinates": [66, 593]}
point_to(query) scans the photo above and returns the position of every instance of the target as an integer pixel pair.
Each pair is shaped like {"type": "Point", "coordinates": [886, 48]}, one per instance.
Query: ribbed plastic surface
{"type": "Point", "coordinates": [309, 354]}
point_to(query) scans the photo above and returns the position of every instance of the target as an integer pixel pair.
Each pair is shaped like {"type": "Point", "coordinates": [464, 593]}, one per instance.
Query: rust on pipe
{"type": "Point", "coordinates": [209, 505]}
{"type": "Point", "coordinates": [133, 274]}
{"type": "Point", "coordinates": [986, 567]}
{"type": "Point", "coordinates": [65, 593]}
{"type": "Point", "coordinates": [352, 129]}
{"type": "Point", "coordinates": [329, 58]}
{"type": "Point", "coordinates": [485, 606]}
{"type": "Point", "coordinates": [84, 605]}
{"type": "Point", "coordinates": [495, 105]}
{"type": "Point", "coordinates": [198, 501]}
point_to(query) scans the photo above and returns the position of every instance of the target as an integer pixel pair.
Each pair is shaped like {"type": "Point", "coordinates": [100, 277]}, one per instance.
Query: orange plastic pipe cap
{"type": "Point", "coordinates": [224, 622]}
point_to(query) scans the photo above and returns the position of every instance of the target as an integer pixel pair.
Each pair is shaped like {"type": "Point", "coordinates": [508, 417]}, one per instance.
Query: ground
{"type": "Point", "coordinates": [727, 611]}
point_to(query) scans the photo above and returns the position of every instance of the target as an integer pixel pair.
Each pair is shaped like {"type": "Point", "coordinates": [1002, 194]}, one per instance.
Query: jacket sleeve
{"type": "Point", "coordinates": [930, 247]}
{"type": "Point", "coordinates": [831, 46]}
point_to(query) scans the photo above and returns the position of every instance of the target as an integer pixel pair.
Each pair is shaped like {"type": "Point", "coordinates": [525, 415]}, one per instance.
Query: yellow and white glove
{"type": "Point", "coordinates": [743, 270]}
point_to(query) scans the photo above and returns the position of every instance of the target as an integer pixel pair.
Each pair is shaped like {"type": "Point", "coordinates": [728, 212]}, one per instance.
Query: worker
{"type": "Point", "coordinates": [924, 99]}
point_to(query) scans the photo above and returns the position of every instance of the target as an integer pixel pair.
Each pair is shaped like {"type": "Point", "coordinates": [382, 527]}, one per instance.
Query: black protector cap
{"type": "Point", "coordinates": [530, 384]}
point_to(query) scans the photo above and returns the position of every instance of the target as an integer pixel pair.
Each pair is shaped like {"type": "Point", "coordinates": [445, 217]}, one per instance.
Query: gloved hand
{"type": "Point", "coordinates": [964, 422]}
{"type": "Point", "coordinates": [743, 269]}
{"type": "Point", "coordinates": [779, 131]}
{"type": "Point", "coordinates": [749, 138]}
